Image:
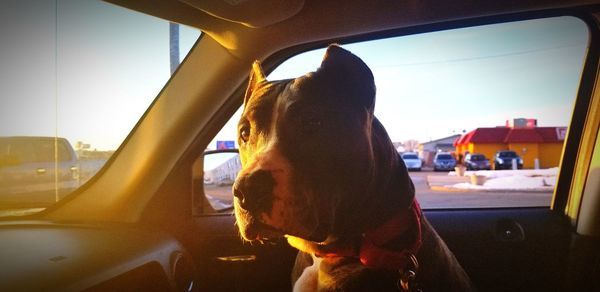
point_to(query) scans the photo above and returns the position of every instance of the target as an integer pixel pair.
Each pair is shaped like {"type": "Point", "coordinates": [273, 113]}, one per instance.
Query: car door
{"type": "Point", "coordinates": [522, 248]}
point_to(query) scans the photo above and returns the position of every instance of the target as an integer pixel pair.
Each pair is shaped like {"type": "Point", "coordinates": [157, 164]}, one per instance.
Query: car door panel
{"type": "Point", "coordinates": [494, 260]}
{"type": "Point", "coordinates": [226, 263]}
{"type": "Point", "coordinates": [488, 245]}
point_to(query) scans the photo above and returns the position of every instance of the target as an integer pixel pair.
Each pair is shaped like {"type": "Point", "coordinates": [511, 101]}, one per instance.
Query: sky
{"type": "Point", "coordinates": [90, 73]}
{"type": "Point", "coordinates": [473, 77]}
{"type": "Point", "coordinates": [87, 75]}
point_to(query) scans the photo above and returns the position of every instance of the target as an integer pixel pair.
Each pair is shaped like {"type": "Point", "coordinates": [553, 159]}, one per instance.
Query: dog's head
{"type": "Point", "coordinates": [316, 164]}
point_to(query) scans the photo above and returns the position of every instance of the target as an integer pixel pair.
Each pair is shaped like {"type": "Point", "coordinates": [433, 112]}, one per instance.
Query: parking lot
{"type": "Point", "coordinates": [436, 196]}
{"type": "Point", "coordinates": [440, 197]}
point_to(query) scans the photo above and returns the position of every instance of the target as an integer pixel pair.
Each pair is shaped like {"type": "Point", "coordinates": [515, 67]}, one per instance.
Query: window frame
{"type": "Point", "coordinates": [563, 189]}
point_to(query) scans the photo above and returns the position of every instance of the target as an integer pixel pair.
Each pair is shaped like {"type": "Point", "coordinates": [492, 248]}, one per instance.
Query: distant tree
{"type": "Point", "coordinates": [411, 145]}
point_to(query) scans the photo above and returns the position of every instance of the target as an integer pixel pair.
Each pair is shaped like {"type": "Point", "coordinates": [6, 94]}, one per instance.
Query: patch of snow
{"type": "Point", "coordinates": [514, 180]}
{"type": "Point", "coordinates": [546, 172]}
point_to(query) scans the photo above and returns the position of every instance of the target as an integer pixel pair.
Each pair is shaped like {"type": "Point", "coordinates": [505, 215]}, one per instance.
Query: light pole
{"type": "Point", "coordinates": [174, 46]}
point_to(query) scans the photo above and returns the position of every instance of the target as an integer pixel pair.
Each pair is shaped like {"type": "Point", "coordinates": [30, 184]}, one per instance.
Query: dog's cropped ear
{"type": "Point", "coordinates": [350, 73]}
{"type": "Point", "coordinates": [256, 76]}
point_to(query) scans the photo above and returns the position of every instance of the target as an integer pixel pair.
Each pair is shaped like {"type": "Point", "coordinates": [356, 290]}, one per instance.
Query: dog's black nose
{"type": "Point", "coordinates": [255, 190]}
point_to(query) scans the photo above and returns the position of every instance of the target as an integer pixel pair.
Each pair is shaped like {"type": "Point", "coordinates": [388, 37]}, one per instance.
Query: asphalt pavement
{"type": "Point", "coordinates": [433, 196]}
{"type": "Point", "coordinates": [439, 197]}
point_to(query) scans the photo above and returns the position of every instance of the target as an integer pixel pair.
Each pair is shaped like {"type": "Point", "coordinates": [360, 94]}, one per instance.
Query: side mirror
{"type": "Point", "coordinates": [220, 170]}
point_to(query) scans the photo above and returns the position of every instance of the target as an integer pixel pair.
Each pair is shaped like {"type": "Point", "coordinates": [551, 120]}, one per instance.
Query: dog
{"type": "Point", "coordinates": [320, 170]}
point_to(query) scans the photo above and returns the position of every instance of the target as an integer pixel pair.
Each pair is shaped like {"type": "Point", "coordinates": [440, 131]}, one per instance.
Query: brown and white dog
{"type": "Point", "coordinates": [319, 169]}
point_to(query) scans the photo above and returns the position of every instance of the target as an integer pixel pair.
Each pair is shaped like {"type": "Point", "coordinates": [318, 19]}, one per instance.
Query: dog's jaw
{"type": "Point", "coordinates": [304, 245]}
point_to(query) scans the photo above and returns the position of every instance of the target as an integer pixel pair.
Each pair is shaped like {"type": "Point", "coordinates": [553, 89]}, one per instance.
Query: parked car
{"type": "Point", "coordinates": [28, 172]}
{"type": "Point", "coordinates": [476, 161]}
{"type": "Point", "coordinates": [443, 161]}
{"type": "Point", "coordinates": [412, 161]}
{"type": "Point", "coordinates": [504, 159]}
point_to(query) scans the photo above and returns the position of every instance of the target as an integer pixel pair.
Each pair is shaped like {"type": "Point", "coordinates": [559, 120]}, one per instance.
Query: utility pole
{"type": "Point", "coordinates": [174, 46]}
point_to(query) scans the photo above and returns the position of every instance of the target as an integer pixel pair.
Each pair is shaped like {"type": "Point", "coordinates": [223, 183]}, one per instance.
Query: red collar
{"type": "Point", "coordinates": [371, 251]}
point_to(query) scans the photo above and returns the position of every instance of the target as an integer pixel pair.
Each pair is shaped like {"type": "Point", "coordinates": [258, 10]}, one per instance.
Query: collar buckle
{"type": "Point", "coordinates": [408, 275]}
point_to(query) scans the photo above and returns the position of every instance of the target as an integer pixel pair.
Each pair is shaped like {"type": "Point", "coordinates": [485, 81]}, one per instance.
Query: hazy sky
{"type": "Point", "coordinates": [432, 84]}
{"type": "Point", "coordinates": [97, 69]}
{"type": "Point", "coordinates": [99, 66]}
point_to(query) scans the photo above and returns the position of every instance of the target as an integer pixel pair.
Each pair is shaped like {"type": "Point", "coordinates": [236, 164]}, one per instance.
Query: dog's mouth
{"type": "Point", "coordinates": [263, 216]}
{"type": "Point", "coordinates": [259, 231]}
{"type": "Point", "coordinates": [252, 229]}
{"type": "Point", "coordinates": [262, 232]}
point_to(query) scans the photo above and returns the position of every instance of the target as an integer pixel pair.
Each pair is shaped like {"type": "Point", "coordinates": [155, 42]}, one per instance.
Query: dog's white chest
{"type": "Point", "coordinates": [309, 280]}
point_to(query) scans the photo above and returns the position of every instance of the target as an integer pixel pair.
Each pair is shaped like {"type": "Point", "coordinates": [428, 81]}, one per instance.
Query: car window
{"type": "Point", "coordinates": [410, 156]}
{"type": "Point", "coordinates": [84, 71]}
{"type": "Point", "coordinates": [525, 77]}
{"type": "Point", "coordinates": [17, 151]}
{"type": "Point", "coordinates": [477, 157]}
{"type": "Point", "coordinates": [507, 154]}
{"type": "Point", "coordinates": [63, 152]}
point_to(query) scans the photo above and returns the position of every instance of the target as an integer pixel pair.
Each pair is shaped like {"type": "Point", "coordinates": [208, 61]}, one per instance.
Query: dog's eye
{"type": "Point", "coordinates": [244, 133]}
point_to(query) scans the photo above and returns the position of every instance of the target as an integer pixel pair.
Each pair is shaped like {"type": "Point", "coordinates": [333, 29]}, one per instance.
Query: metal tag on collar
{"type": "Point", "coordinates": [407, 282]}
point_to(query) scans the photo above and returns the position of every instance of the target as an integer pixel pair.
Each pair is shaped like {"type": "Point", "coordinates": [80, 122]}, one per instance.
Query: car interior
{"type": "Point", "coordinates": [143, 222]}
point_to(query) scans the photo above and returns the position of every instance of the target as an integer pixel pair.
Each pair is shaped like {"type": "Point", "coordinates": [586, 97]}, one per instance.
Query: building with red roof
{"type": "Point", "coordinates": [529, 141]}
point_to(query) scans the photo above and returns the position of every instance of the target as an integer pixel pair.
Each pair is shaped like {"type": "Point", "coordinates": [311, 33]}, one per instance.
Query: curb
{"type": "Point", "coordinates": [455, 190]}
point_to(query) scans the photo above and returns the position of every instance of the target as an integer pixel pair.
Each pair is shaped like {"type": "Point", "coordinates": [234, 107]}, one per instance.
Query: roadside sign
{"type": "Point", "coordinates": [225, 145]}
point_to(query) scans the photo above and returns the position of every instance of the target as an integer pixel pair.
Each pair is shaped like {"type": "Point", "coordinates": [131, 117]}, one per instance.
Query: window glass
{"type": "Point", "coordinates": [44, 150]}
{"type": "Point", "coordinates": [21, 151]}
{"type": "Point", "coordinates": [523, 76]}
{"type": "Point", "coordinates": [444, 156]}
{"type": "Point", "coordinates": [85, 71]}
{"type": "Point", "coordinates": [410, 156]}
{"type": "Point", "coordinates": [477, 157]}
{"type": "Point", "coordinates": [63, 152]}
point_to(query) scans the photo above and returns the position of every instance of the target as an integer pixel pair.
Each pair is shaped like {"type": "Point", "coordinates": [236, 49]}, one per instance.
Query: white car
{"type": "Point", "coordinates": [412, 161]}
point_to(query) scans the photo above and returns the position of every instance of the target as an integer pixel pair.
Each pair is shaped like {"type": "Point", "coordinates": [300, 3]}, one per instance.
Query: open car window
{"type": "Point", "coordinates": [76, 77]}
{"type": "Point", "coordinates": [524, 77]}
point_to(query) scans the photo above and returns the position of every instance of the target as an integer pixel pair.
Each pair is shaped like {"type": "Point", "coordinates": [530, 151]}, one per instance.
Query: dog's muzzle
{"type": "Point", "coordinates": [254, 191]}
